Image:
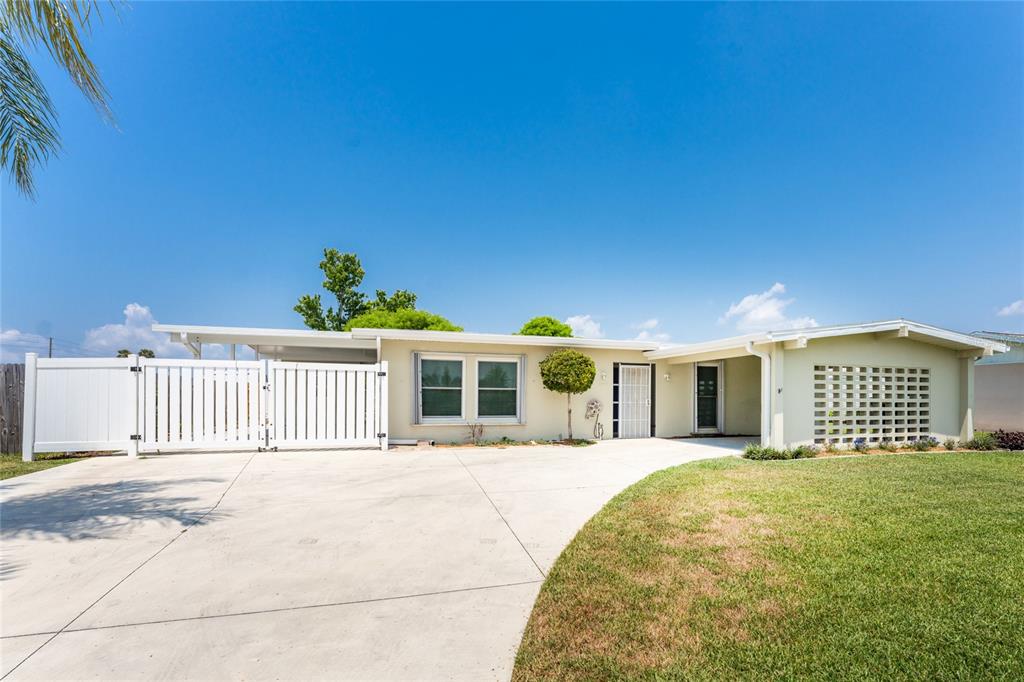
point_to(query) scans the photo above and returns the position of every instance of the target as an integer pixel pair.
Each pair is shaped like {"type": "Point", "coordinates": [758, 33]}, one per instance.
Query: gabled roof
{"type": "Point", "coordinates": [907, 328]}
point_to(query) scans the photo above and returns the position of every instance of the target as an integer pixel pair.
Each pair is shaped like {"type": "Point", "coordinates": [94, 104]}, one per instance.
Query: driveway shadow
{"type": "Point", "coordinates": [99, 510]}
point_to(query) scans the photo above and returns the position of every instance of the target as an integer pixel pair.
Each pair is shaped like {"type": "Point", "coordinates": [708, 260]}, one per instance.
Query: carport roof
{"type": "Point", "coordinates": [367, 338]}
{"type": "Point", "coordinates": [737, 345]}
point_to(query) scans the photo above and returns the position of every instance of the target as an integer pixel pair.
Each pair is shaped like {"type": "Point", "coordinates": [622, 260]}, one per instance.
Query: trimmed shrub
{"type": "Point", "coordinates": [568, 371]}
{"type": "Point", "coordinates": [951, 443]}
{"type": "Point", "coordinates": [1010, 440]}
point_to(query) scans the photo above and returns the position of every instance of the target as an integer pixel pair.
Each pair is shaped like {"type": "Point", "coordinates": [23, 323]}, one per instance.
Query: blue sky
{"type": "Point", "coordinates": [629, 163]}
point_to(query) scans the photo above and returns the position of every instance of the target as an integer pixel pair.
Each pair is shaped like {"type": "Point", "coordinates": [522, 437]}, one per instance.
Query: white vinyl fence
{"type": "Point", "coordinates": [149, 405]}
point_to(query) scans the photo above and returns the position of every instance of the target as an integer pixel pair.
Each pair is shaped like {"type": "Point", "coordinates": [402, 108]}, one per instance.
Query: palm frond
{"type": "Point", "coordinates": [60, 26]}
{"type": "Point", "coordinates": [28, 130]}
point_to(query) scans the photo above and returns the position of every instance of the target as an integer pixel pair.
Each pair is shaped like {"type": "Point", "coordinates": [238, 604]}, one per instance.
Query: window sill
{"type": "Point", "coordinates": [466, 422]}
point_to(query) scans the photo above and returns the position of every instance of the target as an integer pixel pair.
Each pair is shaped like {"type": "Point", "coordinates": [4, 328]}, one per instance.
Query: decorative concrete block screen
{"type": "Point", "coordinates": [873, 404]}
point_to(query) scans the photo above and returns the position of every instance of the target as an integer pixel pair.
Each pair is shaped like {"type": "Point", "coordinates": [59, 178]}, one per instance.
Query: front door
{"type": "Point", "coordinates": [707, 400]}
{"type": "Point", "coordinates": [634, 401]}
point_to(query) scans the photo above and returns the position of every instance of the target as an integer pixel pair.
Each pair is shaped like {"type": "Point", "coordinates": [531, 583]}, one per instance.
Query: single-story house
{"type": "Point", "coordinates": [895, 380]}
{"type": "Point", "coordinates": [999, 385]}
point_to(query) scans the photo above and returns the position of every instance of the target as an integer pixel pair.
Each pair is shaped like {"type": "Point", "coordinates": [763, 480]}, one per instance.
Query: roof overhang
{"type": "Point", "coordinates": [367, 338]}
{"type": "Point", "coordinates": [793, 339]}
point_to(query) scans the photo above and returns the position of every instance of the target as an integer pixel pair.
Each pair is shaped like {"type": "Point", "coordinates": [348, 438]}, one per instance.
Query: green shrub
{"type": "Point", "coordinates": [546, 325]}
{"type": "Point", "coordinates": [983, 440]}
{"type": "Point", "coordinates": [860, 445]}
{"type": "Point", "coordinates": [951, 443]}
{"type": "Point", "coordinates": [925, 444]}
{"type": "Point", "coordinates": [763, 452]}
{"type": "Point", "coordinates": [887, 445]}
{"type": "Point", "coordinates": [401, 319]}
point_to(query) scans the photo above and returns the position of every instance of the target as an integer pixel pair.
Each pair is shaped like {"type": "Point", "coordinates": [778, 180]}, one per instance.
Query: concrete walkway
{"type": "Point", "coordinates": [297, 565]}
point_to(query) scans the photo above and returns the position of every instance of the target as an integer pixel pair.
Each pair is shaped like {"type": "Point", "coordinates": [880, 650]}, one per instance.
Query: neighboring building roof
{"type": "Point", "coordinates": [1005, 337]}
{"type": "Point", "coordinates": [736, 345]}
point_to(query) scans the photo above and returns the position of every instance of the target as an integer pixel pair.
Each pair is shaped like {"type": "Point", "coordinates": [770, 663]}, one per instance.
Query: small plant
{"type": "Point", "coordinates": [887, 445]}
{"type": "Point", "coordinates": [951, 444]}
{"type": "Point", "coordinates": [1010, 440]}
{"type": "Point", "coordinates": [476, 433]}
{"type": "Point", "coordinates": [860, 444]}
{"type": "Point", "coordinates": [983, 440]}
{"type": "Point", "coordinates": [763, 452]}
{"type": "Point", "coordinates": [829, 446]}
{"type": "Point", "coordinates": [925, 444]}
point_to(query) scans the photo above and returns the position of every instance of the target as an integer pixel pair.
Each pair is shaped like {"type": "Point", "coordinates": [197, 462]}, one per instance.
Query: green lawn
{"type": "Point", "coordinates": [11, 465]}
{"type": "Point", "coordinates": [908, 566]}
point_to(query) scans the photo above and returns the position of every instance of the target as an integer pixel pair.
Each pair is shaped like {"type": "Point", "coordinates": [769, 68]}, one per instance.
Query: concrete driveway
{"type": "Point", "coordinates": [297, 565]}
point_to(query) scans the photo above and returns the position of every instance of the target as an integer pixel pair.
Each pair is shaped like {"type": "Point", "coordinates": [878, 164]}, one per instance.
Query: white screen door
{"type": "Point", "coordinates": [634, 401]}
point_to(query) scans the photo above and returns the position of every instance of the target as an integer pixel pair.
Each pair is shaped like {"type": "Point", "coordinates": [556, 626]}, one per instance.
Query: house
{"type": "Point", "coordinates": [999, 385]}
{"type": "Point", "coordinates": [896, 380]}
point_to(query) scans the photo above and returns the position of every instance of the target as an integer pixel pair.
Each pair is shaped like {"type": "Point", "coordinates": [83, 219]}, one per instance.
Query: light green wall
{"type": "Point", "coordinates": [867, 349]}
{"type": "Point", "coordinates": [545, 412]}
{"type": "Point", "coordinates": [743, 396]}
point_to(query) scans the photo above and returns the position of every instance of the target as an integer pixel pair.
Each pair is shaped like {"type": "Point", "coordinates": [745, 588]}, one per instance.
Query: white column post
{"type": "Point", "coordinates": [766, 392]}
{"type": "Point", "coordinates": [382, 407]}
{"type": "Point", "coordinates": [777, 398]}
{"type": "Point", "coordinates": [133, 443]}
{"type": "Point", "coordinates": [966, 398]}
{"type": "Point", "coordinates": [28, 422]}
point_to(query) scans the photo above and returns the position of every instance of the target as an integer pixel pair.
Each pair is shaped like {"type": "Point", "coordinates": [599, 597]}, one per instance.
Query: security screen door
{"type": "Point", "coordinates": [707, 398]}
{"type": "Point", "coordinates": [634, 401]}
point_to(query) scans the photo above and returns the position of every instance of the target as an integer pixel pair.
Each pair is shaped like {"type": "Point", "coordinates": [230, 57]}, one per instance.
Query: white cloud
{"type": "Point", "coordinates": [585, 327]}
{"type": "Point", "coordinates": [1015, 308]}
{"type": "Point", "coordinates": [14, 344]}
{"type": "Point", "coordinates": [765, 311]}
{"type": "Point", "coordinates": [134, 333]}
{"type": "Point", "coordinates": [648, 331]}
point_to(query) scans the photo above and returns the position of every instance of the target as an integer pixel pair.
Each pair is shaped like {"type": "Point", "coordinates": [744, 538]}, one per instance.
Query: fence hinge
{"type": "Point", "coordinates": [135, 368]}
{"type": "Point", "coordinates": [135, 436]}
{"type": "Point", "coordinates": [382, 374]}
{"type": "Point", "coordinates": [382, 435]}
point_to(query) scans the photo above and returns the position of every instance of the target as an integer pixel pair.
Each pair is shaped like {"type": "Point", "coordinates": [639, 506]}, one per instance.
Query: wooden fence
{"type": "Point", "coordinates": [12, 383]}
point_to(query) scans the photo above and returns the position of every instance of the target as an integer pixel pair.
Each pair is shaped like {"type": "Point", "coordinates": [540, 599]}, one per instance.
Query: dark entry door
{"type": "Point", "coordinates": [707, 398]}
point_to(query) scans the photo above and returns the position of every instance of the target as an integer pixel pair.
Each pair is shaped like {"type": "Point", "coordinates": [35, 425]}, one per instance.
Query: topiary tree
{"type": "Point", "coordinates": [545, 325]}
{"type": "Point", "coordinates": [402, 319]}
{"type": "Point", "coordinates": [567, 371]}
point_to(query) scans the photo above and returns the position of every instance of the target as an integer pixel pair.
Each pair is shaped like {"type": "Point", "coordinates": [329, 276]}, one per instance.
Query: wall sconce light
{"type": "Point", "coordinates": [668, 377]}
{"type": "Point", "coordinates": [604, 376]}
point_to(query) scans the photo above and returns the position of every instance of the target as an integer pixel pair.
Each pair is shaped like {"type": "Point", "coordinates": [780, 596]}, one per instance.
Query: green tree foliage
{"type": "Point", "coordinates": [28, 121]}
{"type": "Point", "coordinates": [401, 319]}
{"type": "Point", "coordinates": [545, 325]}
{"type": "Point", "coordinates": [343, 273]}
{"type": "Point", "coordinates": [568, 371]}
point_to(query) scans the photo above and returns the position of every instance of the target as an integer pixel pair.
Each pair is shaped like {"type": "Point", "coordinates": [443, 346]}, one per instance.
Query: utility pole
{"type": "Point", "coordinates": [49, 353]}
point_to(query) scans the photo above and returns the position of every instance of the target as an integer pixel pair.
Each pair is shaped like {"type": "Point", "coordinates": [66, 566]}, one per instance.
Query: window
{"type": "Point", "coordinates": [441, 388]}
{"type": "Point", "coordinates": [497, 389]}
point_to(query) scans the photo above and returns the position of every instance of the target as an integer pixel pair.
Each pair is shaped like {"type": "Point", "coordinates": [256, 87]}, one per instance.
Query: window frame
{"type": "Point", "coordinates": [517, 360]}
{"type": "Point", "coordinates": [418, 396]}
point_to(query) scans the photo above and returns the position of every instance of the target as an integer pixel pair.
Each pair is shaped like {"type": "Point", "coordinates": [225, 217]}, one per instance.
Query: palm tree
{"type": "Point", "coordinates": [28, 121]}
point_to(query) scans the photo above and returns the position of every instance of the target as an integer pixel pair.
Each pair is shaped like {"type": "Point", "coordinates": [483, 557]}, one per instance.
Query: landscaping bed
{"type": "Point", "coordinates": [837, 568]}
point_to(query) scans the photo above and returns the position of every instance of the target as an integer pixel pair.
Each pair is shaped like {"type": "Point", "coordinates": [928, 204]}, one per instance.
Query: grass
{"type": "Point", "coordinates": [11, 465]}
{"type": "Point", "coordinates": [908, 567]}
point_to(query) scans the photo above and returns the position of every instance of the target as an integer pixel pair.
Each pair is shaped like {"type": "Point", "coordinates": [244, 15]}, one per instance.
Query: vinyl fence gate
{"type": "Point", "coordinates": [156, 405]}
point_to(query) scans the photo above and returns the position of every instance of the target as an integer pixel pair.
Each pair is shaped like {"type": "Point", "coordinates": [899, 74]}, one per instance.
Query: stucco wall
{"type": "Point", "coordinates": [545, 412]}
{"type": "Point", "coordinates": [999, 396]}
{"type": "Point", "coordinates": [866, 349]}
{"type": "Point", "coordinates": [743, 396]}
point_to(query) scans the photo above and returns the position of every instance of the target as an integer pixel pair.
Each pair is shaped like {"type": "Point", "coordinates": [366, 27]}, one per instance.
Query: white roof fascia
{"type": "Point", "coordinates": [262, 337]}
{"type": "Point", "coordinates": [428, 336]}
{"type": "Point", "coordinates": [917, 328]}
